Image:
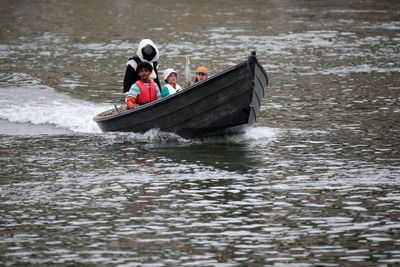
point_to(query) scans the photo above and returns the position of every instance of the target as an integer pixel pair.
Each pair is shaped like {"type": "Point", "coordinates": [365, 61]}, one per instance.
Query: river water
{"type": "Point", "coordinates": [316, 182]}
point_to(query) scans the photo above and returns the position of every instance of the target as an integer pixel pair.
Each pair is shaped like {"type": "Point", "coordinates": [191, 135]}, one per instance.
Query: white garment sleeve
{"type": "Point", "coordinates": [153, 74]}
{"type": "Point", "coordinates": [132, 63]}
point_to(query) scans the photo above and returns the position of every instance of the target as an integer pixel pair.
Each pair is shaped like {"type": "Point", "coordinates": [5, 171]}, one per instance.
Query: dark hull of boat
{"type": "Point", "coordinates": [226, 103]}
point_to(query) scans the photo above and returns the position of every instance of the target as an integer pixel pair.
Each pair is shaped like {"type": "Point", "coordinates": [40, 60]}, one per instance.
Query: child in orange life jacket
{"type": "Point", "coordinates": [143, 91]}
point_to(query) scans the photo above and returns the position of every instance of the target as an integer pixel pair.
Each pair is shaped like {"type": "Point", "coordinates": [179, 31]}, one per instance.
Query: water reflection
{"type": "Point", "coordinates": [223, 156]}
{"type": "Point", "coordinates": [121, 217]}
{"type": "Point", "coordinates": [317, 184]}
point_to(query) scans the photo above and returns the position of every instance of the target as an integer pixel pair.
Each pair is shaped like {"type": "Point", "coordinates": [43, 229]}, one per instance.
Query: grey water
{"type": "Point", "coordinates": [316, 182]}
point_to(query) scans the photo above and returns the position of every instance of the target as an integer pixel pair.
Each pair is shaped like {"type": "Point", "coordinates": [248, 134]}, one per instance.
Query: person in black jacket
{"type": "Point", "coordinates": [147, 52]}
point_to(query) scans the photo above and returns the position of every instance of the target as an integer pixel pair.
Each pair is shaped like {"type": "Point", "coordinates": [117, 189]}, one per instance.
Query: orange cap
{"type": "Point", "coordinates": [202, 69]}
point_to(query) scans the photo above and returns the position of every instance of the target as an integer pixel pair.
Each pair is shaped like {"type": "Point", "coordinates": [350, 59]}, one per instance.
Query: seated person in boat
{"type": "Point", "coordinates": [201, 74]}
{"type": "Point", "coordinates": [171, 86]}
{"type": "Point", "coordinates": [143, 91]}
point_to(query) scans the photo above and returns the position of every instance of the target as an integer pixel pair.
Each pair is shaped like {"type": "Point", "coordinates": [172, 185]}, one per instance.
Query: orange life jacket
{"type": "Point", "coordinates": [147, 94]}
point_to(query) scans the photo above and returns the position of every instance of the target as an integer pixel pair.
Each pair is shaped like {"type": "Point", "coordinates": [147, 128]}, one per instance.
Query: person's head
{"type": "Point", "coordinates": [144, 70]}
{"type": "Point", "coordinates": [170, 76]}
{"type": "Point", "coordinates": [201, 73]}
{"type": "Point", "coordinates": [147, 50]}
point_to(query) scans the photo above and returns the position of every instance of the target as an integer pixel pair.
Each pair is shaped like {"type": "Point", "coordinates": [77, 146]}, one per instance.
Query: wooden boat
{"type": "Point", "coordinates": [226, 103]}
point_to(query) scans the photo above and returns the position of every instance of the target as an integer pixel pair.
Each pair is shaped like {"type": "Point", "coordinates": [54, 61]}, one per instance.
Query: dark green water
{"type": "Point", "coordinates": [316, 182]}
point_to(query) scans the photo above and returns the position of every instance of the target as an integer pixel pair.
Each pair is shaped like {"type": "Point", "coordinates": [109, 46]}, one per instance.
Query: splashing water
{"type": "Point", "coordinates": [37, 104]}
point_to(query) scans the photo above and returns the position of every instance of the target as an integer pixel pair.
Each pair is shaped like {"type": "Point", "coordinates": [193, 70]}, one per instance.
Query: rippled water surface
{"type": "Point", "coordinates": [316, 182]}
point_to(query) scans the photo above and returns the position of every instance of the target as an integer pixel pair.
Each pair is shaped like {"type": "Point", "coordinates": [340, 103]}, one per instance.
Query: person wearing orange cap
{"type": "Point", "coordinates": [201, 74]}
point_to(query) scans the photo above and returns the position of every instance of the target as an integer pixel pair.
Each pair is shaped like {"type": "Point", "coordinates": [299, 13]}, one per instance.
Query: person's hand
{"type": "Point", "coordinates": [130, 102]}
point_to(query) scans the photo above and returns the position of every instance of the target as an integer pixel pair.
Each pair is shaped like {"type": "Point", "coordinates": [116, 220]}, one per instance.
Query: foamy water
{"type": "Point", "coordinates": [32, 102]}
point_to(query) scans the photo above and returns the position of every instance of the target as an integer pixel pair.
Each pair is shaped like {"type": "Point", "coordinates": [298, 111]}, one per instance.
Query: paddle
{"type": "Point", "coordinates": [187, 72]}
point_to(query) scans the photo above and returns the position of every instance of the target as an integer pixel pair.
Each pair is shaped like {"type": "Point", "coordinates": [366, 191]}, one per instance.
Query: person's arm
{"type": "Point", "coordinates": [131, 96]}
{"type": "Point", "coordinates": [158, 92]}
{"type": "Point", "coordinates": [134, 91]}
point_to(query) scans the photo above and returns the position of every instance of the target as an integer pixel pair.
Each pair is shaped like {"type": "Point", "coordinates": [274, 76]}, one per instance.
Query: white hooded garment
{"type": "Point", "coordinates": [142, 44]}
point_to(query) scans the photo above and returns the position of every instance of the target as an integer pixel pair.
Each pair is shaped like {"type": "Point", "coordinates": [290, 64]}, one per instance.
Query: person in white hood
{"type": "Point", "coordinates": [147, 52]}
{"type": "Point", "coordinates": [171, 86]}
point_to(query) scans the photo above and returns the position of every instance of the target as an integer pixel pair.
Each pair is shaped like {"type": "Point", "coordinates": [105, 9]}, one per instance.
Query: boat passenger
{"type": "Point", "coordinates": [171, 86]}
{"type": "Point", "coordinates": [143, 91]}
{"type": "Point", "coordinates": [147, 52]}
{"type": "Point", "coordinates": [201, 74]}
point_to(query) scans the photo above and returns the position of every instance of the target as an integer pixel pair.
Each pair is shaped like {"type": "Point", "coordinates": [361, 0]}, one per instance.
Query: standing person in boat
{"type": "Point", "coordinates": [147, 52]}
{"type": "Point", "coordinates": [201, 74]}
{"type": "Point", "coordinates": [143, 91]}
{"type": "Point", "coordinates": [171, 86]}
